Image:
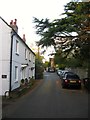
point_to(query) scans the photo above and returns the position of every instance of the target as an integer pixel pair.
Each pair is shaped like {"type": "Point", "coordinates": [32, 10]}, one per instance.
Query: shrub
{"type": "Point", "coordinates": [22, 81]}
{"type": "Point", "coordinates": [26, 81]}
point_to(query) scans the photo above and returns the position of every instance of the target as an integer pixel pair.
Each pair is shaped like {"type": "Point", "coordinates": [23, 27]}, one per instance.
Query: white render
{"type": "Point", "coordinates": [5, 41]}
{"type": "Point", "coordinates": [24, 66]}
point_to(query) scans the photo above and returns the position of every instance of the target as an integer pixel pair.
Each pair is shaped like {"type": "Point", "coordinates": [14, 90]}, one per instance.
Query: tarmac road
{"type": "Point", "coordinates": [49, 100]}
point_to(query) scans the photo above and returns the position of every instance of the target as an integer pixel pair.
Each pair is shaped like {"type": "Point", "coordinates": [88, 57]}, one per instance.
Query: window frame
{"type": "Point", "coordinates": [26, 56]}
{"type": "Point", "coordinates": [16, 74]}
{"type": "Point", "coordinates": [30, 56]}
{"type": "Point", "coordinates": [17, 47]}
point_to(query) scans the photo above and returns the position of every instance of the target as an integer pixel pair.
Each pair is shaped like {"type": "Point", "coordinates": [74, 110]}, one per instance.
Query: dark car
{"type": "Point", "coordinates": [71, 80]}
{"type": "Point", "coordinates": [51, 69]}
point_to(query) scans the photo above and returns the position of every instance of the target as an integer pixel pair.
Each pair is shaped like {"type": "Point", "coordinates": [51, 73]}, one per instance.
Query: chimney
{"type": "Point", "coordinates": [14, 25]}
{"type": "Point", "coordinates": [11, 23]}
{"type": "Point", "coordinates": [24, 39]}
{"type": "Point", "coordinates": [15, 22]}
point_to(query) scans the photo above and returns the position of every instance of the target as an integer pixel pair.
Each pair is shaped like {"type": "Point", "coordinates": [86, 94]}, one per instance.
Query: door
{"type": "Point", "coordinates": [23, 73]}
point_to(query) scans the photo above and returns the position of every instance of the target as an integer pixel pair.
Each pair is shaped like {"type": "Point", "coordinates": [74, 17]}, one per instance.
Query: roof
{"type": "Point", "coordinates": [16, 34]}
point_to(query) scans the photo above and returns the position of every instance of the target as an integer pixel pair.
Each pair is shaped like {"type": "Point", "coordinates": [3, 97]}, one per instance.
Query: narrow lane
{"type": "Point", "coordinates": [49, 100]}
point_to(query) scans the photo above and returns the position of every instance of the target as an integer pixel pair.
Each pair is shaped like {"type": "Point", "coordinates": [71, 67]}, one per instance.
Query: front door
{"type": "Point", "coordinates": [23, 73]}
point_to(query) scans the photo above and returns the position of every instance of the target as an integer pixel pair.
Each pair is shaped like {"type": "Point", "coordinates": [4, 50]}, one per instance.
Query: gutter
{"type": "Point", "coordinates": [11, 51]}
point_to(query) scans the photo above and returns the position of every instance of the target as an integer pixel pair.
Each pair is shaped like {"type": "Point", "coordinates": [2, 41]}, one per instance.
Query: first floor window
{"type": "Point", "coordinates": [29, 56]}
{"type": "Point", "coordinates": [26, 54]}
{"type": "Point", "coordinates": [16, 73]}
{"type": "Point", "coordinates": [17, 47]}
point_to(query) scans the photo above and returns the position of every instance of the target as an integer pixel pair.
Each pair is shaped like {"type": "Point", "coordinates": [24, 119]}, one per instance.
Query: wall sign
{"type": "Point", "coordinates": [4, 76]}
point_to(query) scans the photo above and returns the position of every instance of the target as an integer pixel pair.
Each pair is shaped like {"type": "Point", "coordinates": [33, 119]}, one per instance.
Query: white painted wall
{"type": "Point", "coordinates": [5, 43]}
{"type": "Point", "coordinates": [0, 58]}
{"type": "Point", "coordinates": [19, 59]}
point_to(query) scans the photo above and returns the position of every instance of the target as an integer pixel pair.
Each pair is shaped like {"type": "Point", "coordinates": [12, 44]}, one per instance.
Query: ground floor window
{"type": "Point", "coordinates": [16, 73]}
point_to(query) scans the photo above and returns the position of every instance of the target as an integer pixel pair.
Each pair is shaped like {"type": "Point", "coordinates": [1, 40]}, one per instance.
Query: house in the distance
{"type": "Point", "coordinates": [17, 60]}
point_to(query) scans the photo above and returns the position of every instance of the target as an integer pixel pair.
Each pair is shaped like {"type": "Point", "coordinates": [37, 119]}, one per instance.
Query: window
{"type": "Point", "coordinates": [17, 47]}
{"type": "Point", "coordinates": [33, 57]}
{"type": "Point", "coordinates": [16, 73]}
{"type": "Point", "coordinates": [29, 56]}
{"type": "Point", "coordinates": [72, 76]}
{"type": "Point", "coordinates": [26, 54]}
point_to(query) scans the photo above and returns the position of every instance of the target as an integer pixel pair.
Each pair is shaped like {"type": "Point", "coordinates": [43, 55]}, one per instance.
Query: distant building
{"type": "Point", "coordinates": [52, 62]}
{"type": "Point", "coordinates": [17, 60]}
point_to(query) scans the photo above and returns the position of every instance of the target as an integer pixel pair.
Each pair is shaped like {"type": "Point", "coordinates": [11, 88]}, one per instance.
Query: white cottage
{"type": "Point", "coordinates": [17, 60]}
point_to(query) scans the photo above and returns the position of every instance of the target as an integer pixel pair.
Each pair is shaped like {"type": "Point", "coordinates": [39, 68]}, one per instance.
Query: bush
{"type": "Point", "coordinates": [26, 80]}
{"type": "Point", "coordinates": [22, 81]}
{"type": "Point", "coordinates": [61, 66]}
{"type": "Point", "coordinates": [39, 72]}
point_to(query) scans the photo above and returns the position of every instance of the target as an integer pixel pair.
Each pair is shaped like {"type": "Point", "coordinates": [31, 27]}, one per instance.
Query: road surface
{"type": "Point", "coordinates": [49, 100]}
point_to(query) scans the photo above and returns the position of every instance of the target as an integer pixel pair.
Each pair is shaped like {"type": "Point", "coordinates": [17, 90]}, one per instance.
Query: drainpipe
{"type": "Point", "coordinates": [11, 51]}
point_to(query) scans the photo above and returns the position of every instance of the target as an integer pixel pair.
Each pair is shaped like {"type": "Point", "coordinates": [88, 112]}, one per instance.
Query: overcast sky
{"type": "Point", "coordinates": [25, 10]}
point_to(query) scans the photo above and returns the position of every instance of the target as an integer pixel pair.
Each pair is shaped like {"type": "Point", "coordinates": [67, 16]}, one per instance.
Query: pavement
{"type": "Point", "coordinates": [16, 94]}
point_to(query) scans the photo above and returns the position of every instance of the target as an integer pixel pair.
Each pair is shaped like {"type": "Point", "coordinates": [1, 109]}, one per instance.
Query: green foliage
{"type": "Point", "coordinates": [76, 20]}
{"type": "Point", "coordinates": [39, 72]}
{"type": "Point", "coordinates": [46, 64]}
{"type": "Point", "coordinates": [73, 63]}
{"type": "Point", "coordinates": [22, 80]}
{"type": "Point", "coordinates": [49, 64]}
{"type": "Point", "coordinates": [39, 68]}
{"type": "Point", "coordinates": [62, 66]}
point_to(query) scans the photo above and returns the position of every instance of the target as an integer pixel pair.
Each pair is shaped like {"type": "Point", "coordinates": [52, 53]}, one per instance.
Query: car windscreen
{"type": "Point", "coordinates": [72, 77]}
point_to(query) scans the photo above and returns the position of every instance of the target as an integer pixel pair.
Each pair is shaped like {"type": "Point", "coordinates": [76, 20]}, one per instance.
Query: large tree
{"type": "Point", "coordinates": [39, 67]}
{"type": "Point", "coordinates": [70, 34]}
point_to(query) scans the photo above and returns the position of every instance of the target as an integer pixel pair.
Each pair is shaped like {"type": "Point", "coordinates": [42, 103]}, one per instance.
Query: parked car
{"type": "Point", "coordinates": [65, 72]}
{"type": "Point", "coordinates": [51, 69]}
{"type": "Point", "coordinates": [86, 82]}
{"type": "Point", "coordinates": [71, 79]}
{"type": "Point", "coordinates": [59, 72]}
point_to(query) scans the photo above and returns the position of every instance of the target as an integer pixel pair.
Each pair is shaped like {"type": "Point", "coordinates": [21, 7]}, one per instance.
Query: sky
{"type": "Point", "coordinates": [25, 10]}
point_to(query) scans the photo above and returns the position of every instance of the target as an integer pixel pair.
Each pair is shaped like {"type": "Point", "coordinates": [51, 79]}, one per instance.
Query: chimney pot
{"type": "Point", "coordinates": [15, 21]}
{"type": "Point", "coordinates": [11, 23]}
{"type": "Point", "coordinates": [14, 25]}
{"type": "Point", "coordinates": [24, 39]}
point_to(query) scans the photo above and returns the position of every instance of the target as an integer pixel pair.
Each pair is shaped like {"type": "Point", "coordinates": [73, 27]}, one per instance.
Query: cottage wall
{"type": "Point", "coordinates": [5, 46]}
{"type": "Point", "coordinates": [19, 60]}
{"type": "Point", "coordinates": [21, 67]}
